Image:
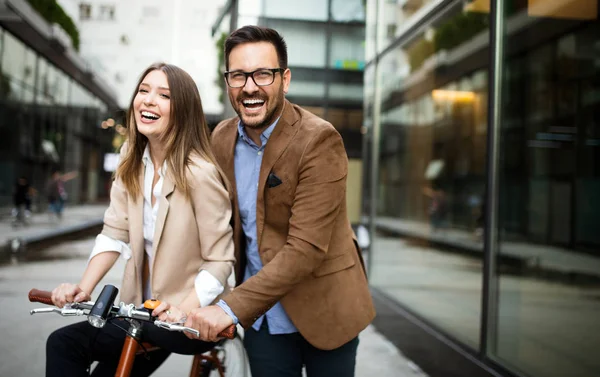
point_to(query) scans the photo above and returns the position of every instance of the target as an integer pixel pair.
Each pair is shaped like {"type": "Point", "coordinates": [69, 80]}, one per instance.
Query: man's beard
{"type": "Point", "coordinates": [270, 115]}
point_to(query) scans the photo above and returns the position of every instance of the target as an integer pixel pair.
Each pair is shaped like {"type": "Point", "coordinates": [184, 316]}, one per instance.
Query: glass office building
{"type": "Point", "coordinates": [51, 107]}
{"type": "Point", "coordinates": [483, 183]}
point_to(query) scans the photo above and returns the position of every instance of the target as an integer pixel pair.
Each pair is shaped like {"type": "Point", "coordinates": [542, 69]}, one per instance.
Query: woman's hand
{"type": "Point", "coordinates": [167, 313]}
{"type": "Point", "coordinates": [68, 293]}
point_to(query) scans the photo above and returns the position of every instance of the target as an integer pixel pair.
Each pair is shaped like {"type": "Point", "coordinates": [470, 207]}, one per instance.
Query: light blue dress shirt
{"type": "Point", "coordinates": [247, 162]}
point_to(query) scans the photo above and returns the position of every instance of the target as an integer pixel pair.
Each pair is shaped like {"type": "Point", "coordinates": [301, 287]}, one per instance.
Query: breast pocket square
{"type": "Point", "coordinates": [273, 180]}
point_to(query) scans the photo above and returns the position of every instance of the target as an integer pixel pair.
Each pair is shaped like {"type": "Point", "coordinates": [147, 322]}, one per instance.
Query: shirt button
{"type": "Point", "coordinates": [259, 153]}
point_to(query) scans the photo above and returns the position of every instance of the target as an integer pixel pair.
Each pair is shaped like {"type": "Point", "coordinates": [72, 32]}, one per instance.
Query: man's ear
{"type": "Point", "coordinates": [287, 77]}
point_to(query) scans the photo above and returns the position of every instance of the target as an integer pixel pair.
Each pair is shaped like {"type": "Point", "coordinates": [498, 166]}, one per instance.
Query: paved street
{"type": "Point", "coordinates": [22, 345]}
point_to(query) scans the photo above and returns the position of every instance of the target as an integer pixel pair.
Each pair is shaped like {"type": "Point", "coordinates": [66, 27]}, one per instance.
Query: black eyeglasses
{"type": "Point", "coordinates": [261, 77]}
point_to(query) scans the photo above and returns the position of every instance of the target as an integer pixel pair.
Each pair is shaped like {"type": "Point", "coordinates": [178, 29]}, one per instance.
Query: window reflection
{"type": "Point", "coordinates": [432, 170]}
{"type": "Point", "coordinates": [549, 190]}
{"type": "Point", "coordinates": [397, 15]}
{"type": "Point", "coordinates": [432, 175]}
{"type": "Point", "coordinates": [13, 57]}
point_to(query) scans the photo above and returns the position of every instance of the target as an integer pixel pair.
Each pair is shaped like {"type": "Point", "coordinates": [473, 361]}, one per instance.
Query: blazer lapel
{"type": "Point", "coordinates": [227, 159]}
{"type": "Point", "coordinates": [227, 163]}
{"type": "Point", "coordinates": [278, 142]}
{"type": "Point", "coordinates": [163, 209]}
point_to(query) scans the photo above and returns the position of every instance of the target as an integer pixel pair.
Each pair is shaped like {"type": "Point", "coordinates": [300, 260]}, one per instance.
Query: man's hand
{"type": "Point", "coordinates": [209, 321]}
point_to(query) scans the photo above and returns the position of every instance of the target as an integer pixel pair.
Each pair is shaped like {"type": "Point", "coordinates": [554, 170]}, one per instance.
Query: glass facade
{"type": "Point", "coordinates": [549, 188]}
{"type": "Point", "coordinates": [509, 271]}
{"type": "Point", "coordinates": [47, 121]}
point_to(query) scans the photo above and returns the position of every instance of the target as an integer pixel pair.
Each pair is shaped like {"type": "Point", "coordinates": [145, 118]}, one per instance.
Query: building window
{"type": "Point", "coordinates": [150, 12]}
{"type": "Point", "coordinates": [85, 11]}
{"type": "Point", "coordinates": [107, 13]}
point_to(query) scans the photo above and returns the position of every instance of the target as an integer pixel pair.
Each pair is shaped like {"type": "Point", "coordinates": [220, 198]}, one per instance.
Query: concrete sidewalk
{"type": "Point", "coordinates": [377, 356]}
{"type": "Point", "coordinates": [44, 226]}
{"type": "Point", "coordinates": [544, 258]}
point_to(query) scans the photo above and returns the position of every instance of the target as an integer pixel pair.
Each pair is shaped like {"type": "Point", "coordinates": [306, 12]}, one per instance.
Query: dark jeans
{"type": "Point", "coordinates": [23, 202]}
{"type": "Point", "coordinates": [57, 206]}
{"type": "Point", "coordinates": [70, 350]}
{"type": "Point", "coordinates": [284, 355]}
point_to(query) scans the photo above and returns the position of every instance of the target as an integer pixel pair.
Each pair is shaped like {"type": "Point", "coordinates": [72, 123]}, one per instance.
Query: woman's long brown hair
{"type": "Point", "coordinates": [185, 134]}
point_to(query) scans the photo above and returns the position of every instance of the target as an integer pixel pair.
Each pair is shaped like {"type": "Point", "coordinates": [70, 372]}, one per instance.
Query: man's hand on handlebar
{"type": "Point", "coordinates": [209, 321]}
{"type": "Point", "coordinates": [67, 293]}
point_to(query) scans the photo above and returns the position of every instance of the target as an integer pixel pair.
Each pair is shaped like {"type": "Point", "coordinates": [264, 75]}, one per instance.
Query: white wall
{"type": "Point", "coordinates": [147, 31]}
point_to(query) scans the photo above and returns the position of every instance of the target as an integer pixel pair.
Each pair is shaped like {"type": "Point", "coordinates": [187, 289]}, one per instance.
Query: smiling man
{"type": "Point", "coordinates": [301, 293]}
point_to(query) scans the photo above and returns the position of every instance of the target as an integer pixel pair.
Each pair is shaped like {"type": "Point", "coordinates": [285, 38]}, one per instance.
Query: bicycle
{"type": "Point", "coordinates": [102, 310]}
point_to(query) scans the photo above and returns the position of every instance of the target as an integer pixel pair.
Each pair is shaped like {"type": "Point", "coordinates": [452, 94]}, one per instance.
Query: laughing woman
{"type": "Point", "coordinates": [168, 217]}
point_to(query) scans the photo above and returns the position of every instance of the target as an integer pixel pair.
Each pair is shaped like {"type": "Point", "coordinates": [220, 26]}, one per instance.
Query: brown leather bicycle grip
{"type": "Point", "coordinates": [45, 297]}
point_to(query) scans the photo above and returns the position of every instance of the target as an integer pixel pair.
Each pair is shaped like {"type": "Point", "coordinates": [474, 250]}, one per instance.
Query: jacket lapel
{"type": "Point", "coordinates": [227, 163]}
{"type": "Point", "coordinates": [278, 142]}
{"type": "Point", "coordinates": [163, 209]}
{"type": "Point", "coordinates": [227, 159]}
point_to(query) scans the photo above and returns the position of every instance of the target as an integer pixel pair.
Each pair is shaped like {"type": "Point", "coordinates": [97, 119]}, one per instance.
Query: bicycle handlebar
{"type": "Point", "coordinates": [123, 310]}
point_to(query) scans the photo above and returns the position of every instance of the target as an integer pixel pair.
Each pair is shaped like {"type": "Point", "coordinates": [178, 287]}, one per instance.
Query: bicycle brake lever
{"type": "Point", "coordinates": [44, 310]}
{"type": "Point", "coordinates": [175, 327]}
{"type": "Point", "coordinates": [180, 322]}
{"type": "Point", "coordinates": [65, 312]}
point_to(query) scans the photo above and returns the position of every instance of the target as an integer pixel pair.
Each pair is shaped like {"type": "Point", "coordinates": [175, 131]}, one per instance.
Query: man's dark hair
{"type": "Point", "coordinates": [254, 34]}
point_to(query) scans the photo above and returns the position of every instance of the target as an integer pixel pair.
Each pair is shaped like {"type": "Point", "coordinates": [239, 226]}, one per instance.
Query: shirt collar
{"type": "Point", "coordinates": [264, 136]}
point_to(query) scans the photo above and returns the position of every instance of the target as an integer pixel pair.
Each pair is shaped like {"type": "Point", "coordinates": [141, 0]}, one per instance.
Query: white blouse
{"type": "Point", "coordinates": [207, 286]}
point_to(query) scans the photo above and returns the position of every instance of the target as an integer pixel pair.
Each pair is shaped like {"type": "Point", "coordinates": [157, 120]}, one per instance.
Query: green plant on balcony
{"type": "Point", "coordinates": [448, 35]}
{"type": "Point", "coordinates": [54, 14]}
{"type": "Point", "coordinates": [459, 29]}
{"type": "Point", "coordinates": [418, 52]}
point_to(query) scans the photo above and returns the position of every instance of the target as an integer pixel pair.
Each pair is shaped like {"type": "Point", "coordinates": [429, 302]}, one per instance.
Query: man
{"type": "Point", "coordinates": [301, 293]}
{"type": "Point", "coordinates": [22, 193]}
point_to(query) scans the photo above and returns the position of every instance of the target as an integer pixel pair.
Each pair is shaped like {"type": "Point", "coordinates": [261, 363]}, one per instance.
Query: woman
{"type": "Point", "coordinates": [169, 202]}
{"type": "Point", "coordinates": [55, 189]}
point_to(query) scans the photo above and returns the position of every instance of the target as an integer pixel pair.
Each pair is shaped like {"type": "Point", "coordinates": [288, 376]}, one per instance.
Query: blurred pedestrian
{"type": "Point", "coordinates": [22, 194]}
{"type": "Point", "coordinates": [438, 207]}
{"type": "Point", "coordinates": [56, 192]}
{"type": "Point", "coordinates": [302, 292]}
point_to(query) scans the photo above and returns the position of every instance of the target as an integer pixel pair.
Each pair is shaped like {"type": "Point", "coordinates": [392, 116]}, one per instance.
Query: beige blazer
{"type": "Point", "coordinates": [191, 234]}
{"type": "Point", "coordinates": [312, 263]}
